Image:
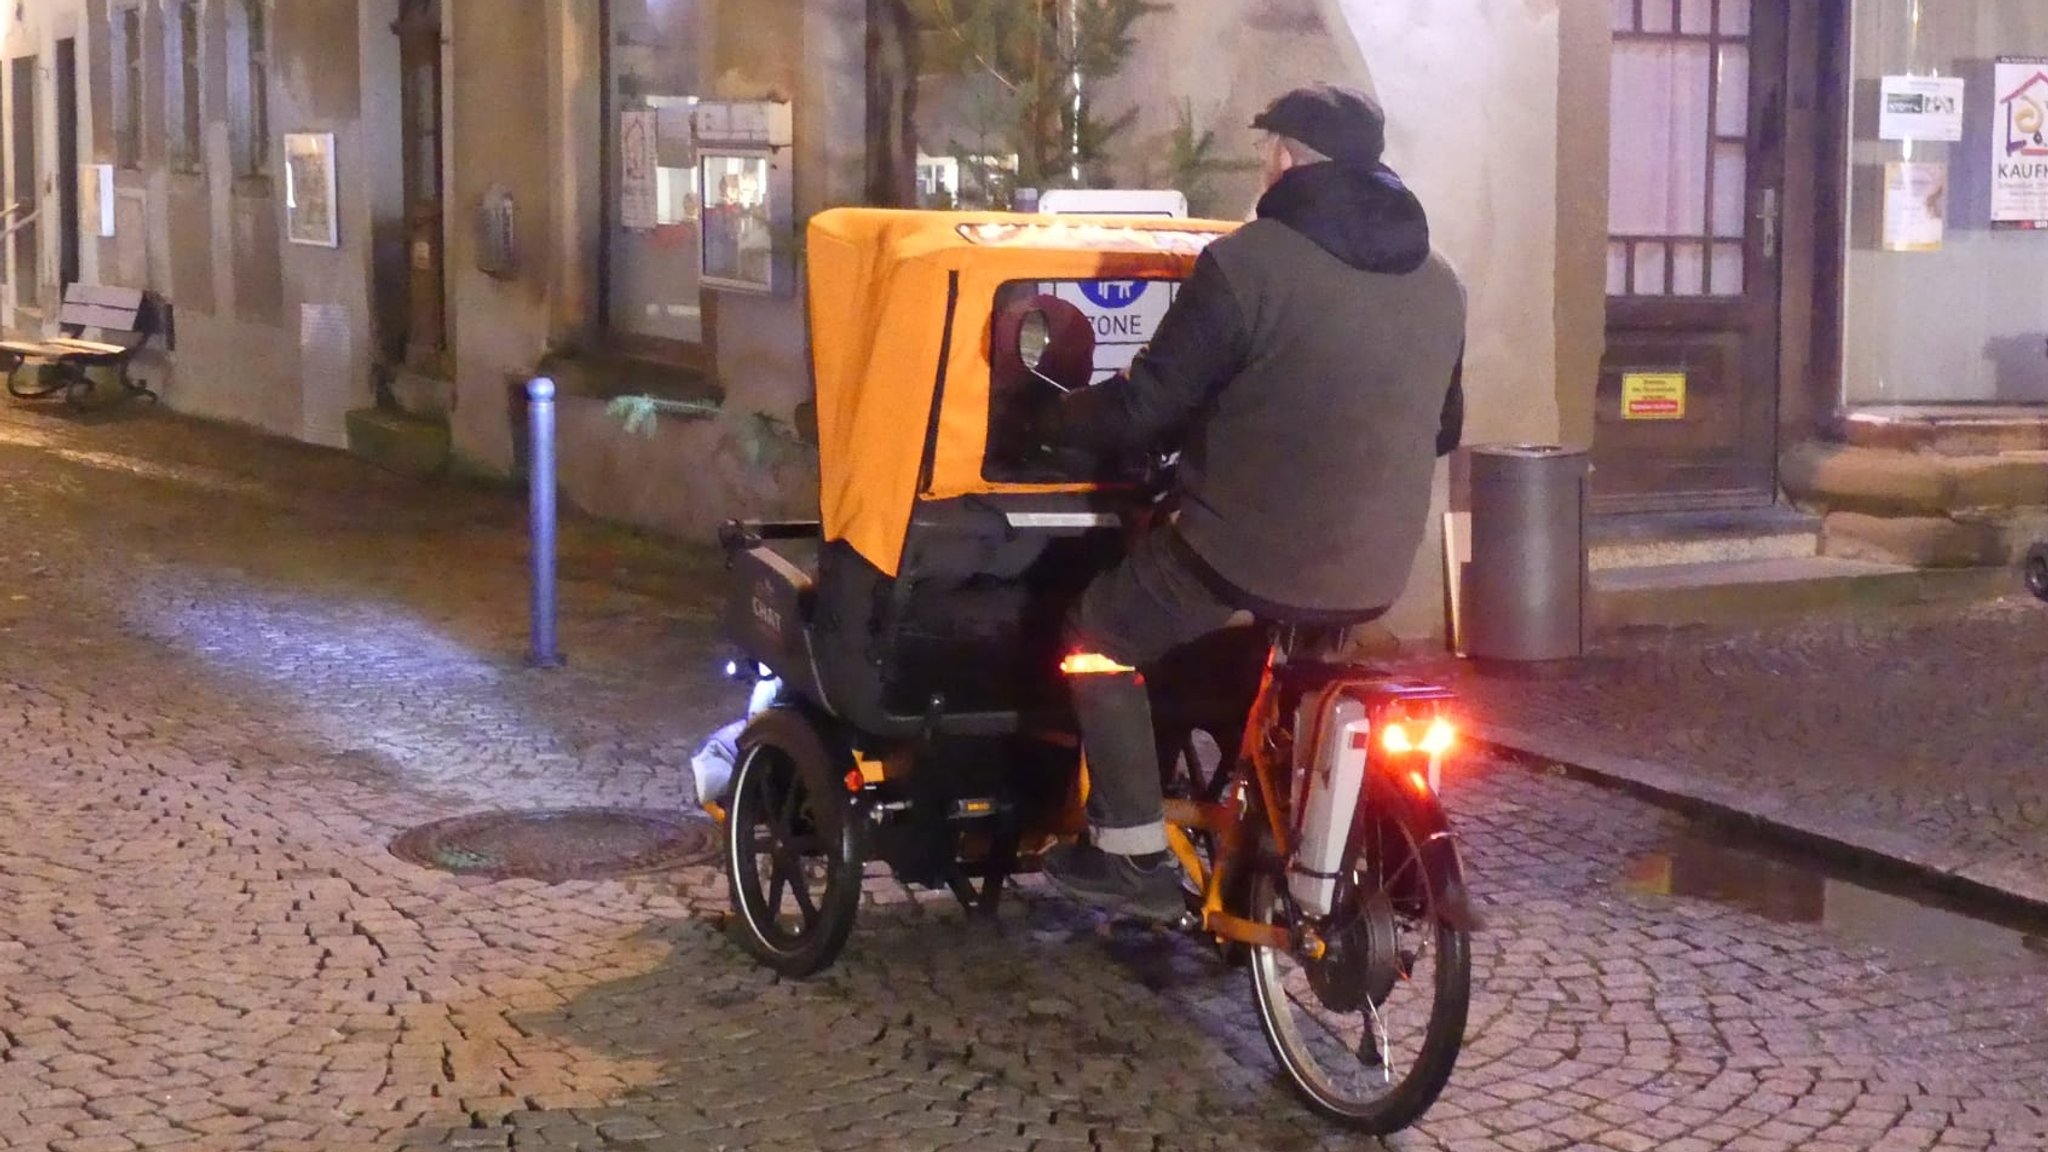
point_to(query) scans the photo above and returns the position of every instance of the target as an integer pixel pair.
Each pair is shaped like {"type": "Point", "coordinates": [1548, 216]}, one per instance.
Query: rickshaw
{"type": "Point", "coordinates": [923, 719]}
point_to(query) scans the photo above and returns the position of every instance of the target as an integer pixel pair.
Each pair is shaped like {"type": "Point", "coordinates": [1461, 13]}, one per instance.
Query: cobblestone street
{"type": "Point", "coordinates": [1914, 733]}
{"type": "Point", "coordinates": [232, 669]}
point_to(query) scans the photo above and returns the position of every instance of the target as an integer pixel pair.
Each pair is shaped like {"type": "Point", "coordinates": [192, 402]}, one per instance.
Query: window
{"type": "Point", "coordinates": [1956, 316]}
{"type": "Point", "coordinates": [249, 93]}
{"type": "Point", "coordinates": [653, 252]}
{"type": "Point", "coordinates": [1115, 319]}
{"type": "Point", "coordinates": [1679, 163]}
{"type": "Point", "coordinates": [128, 87]}
{"type": "Point", "coordinates": [183, 123]}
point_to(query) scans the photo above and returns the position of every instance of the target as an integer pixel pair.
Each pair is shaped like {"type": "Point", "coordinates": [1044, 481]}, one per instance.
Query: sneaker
{"type": "Point", "coordinates": [1117, 883]}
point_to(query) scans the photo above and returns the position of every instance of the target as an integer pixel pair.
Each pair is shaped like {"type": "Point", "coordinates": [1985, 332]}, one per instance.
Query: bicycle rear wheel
{"type": "Point", "coordinates": [1369, 1031]}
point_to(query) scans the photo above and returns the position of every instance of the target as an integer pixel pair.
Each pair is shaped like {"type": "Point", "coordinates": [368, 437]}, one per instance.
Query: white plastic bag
{"type": "Point", "coordinates": [713, 764]}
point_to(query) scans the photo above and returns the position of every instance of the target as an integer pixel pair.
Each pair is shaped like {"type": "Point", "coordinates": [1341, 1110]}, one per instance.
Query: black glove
{"type": "Point", "coordinates": [1019, 421]}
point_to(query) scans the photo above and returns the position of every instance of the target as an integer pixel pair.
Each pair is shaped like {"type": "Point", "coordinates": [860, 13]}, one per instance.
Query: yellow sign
{"type": "Point", "coordinates": [1653, 396]}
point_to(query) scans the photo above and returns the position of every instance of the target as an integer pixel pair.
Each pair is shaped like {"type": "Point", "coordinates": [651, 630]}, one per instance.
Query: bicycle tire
{"type": "Point", "coordinates": [788, 773]}
{"type": "Point", "coordinates": [1443, 1038]}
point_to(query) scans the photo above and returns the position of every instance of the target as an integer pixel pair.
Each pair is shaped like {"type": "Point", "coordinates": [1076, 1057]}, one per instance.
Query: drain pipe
{"type": "Point", "coordinates": [540, 407]}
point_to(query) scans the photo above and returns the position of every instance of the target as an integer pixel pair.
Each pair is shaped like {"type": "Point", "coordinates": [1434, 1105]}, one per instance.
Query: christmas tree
{"type": "Point", "coordinates": [1029, 65]}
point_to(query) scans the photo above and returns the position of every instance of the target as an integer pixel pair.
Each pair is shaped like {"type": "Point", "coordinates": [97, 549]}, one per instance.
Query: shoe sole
{"type": "Point", "coordinates": [1119, 904]}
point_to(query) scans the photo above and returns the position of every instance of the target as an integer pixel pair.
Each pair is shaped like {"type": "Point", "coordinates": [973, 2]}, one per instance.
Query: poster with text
{"type": "Point", "coordinates": [1921, 108]}
{"type": "Point", "coordinates": [2019, 143]}
{"type": "Point", "coordinates": [309, 189]}
{"type": "Point", "coordinates": [1915, 206]}
{"type": "Point", "coordinates": [636, 170]}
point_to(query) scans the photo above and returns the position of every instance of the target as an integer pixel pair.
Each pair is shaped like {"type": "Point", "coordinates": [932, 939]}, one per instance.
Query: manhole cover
{"type": "Point", "coordinates": [559, 844]}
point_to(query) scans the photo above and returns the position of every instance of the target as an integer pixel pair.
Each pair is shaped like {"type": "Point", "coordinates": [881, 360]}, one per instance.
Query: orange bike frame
{"type": "Point", "coordinates": [1225, 820]}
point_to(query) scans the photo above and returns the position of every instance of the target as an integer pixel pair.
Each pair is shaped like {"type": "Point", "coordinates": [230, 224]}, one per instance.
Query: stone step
{"type": "Point", "coordinates": [1748, 590]}
{"type": "Point", "coordinates": [1664, 539]}
{"type": "Point", "coordinates": [413, 445]}
{"type": "Point", "coordinates": [420, 394]}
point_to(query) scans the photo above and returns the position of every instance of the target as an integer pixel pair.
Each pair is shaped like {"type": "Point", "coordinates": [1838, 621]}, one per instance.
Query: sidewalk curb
{"type": "Point", "coordinates": [1870, 850]}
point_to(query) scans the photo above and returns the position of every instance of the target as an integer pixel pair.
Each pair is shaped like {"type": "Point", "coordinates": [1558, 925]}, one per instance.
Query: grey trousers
{"type": "Point", "coordinates": [1136, 613]}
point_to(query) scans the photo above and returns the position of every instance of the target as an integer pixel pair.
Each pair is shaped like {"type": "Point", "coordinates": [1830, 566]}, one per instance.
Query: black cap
{"type": "Point", "coordinates": [1344, 124]}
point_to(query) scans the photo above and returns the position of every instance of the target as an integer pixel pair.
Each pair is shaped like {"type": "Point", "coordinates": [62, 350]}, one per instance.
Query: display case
{"type": "Point", "coordinates": [744, 187]}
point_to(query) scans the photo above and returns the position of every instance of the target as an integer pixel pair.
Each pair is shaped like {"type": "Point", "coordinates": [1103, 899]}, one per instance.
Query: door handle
{"type": "Point", "coordinates": [1768, 215]}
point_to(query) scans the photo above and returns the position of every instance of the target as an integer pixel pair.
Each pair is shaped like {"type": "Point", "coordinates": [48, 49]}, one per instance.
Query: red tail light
{"type": "Point", "coordinates": [1398, 738]}
{"type": "Point", "coordinates": [1092, 664]}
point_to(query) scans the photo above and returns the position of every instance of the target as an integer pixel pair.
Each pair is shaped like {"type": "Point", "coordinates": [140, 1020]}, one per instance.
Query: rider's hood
{"type": "Point", "coordinates": [1364, 216]}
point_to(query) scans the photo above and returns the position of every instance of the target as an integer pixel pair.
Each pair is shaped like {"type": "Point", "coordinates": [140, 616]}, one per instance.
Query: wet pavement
{"type": "Point", "coordinates": [1913, 735]}
{"type": "Point", "coordinates": [232, 670]}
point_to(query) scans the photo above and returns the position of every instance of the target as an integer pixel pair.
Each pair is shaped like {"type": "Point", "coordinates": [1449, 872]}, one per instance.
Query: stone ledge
{"type": "Point", "coordinates": [1891, 482]}
{"type": "Point", "coordinates": [1915, 541]}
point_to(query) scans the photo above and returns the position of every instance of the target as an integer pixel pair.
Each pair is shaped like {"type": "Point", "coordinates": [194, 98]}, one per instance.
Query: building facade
{"type": "Point", "coordinates": [1690, 242]}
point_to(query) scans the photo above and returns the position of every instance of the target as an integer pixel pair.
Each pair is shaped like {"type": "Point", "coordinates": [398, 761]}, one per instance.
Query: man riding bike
{"type": "Point", "coordinates": [1308, 373]}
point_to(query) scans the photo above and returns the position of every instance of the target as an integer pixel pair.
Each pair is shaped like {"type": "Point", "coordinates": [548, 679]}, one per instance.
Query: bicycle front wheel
{"type": "Point", "coordinates": [1369, 1030]}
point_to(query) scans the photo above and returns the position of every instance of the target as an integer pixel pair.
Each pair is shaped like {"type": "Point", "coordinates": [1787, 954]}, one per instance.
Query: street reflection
{"type": "Point", "coordinates": [1697, 864]}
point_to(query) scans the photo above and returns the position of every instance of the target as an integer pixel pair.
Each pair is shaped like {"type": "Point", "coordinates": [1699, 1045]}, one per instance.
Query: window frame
{"type": "Point", "coordinates": [249, 88]}
{"type": "Point", "coordinates": [129, 72]}
{"type": "Point", "coordinates": [184, 92]}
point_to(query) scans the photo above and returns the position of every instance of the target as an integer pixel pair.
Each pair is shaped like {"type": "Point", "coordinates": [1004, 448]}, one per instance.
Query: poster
{"type": "Point", "coordinates": [1653, 396]}
{"type": "Point", "coordinates": [2019, 143]}
{"type": "Point", "coordinates": [96, 199]}
{"type": "Point", "coordinates": [636, 170]}
{"type": "Point", "coordinates": [738, 244]}
{"type": "Point", "coordinates": [1915, 205]}
{"type": "Point", "coordinates": [1920, 108]}
{"type": "Point", "coordinates": [309, 189]}
{"type": "Point", "coordinates": [1124, 314]}
{"type": "Point", "coordinates": [675, 137]}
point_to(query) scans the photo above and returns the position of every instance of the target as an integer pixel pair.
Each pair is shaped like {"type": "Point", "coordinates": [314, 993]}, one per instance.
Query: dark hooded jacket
{"type": "Point", "coordinates": [1309, 373]}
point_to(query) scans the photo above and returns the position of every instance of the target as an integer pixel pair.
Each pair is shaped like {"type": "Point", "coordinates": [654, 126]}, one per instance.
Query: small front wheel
{"type": "Point", "coordinates": [793, 857]}
{"type": "Point", "coordinates": [2037, 571]}
{"type": "Point", "coordinates": [1368, 1030]}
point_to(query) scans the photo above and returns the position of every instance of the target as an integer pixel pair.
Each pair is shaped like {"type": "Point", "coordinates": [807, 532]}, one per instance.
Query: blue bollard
{"type": "Point", "coordinates": [540, 397]}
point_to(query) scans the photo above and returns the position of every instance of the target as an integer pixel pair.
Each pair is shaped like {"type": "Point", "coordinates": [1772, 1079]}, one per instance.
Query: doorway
{"type": "Point", "coordinates": [1687, 414]}
{"type": "Point", "coordinates": [27, 184]}
{"type": "Point", "coordinates": [69, 172]}
{"type": "Point", "coordinates": [419, 55]}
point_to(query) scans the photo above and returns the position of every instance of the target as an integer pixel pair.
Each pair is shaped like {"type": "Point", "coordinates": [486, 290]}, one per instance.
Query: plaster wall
{"type": "Point", "coordinates": [1471, 90]}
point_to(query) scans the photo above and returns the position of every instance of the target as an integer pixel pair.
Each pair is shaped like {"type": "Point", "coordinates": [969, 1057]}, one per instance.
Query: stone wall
{"type": "Point", "coordinates": [270, 334]}
{"type": "Point", "coordinates": [1471, 93]}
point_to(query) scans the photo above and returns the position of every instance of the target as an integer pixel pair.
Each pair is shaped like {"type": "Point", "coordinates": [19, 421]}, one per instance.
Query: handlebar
{"type": "Point", "coordinates": [739, 535]}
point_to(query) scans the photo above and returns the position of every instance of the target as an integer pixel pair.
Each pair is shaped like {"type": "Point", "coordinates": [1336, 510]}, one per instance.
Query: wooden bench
{"type": "Point", "coordinates": [120, 320]}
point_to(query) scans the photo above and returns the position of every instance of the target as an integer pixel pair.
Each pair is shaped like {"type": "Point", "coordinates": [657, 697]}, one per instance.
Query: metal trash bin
{"type": "Point", "coordinates": [1525, 594]}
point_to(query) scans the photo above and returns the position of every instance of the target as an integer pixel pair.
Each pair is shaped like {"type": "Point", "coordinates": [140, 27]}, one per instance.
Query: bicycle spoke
{"type": "Point", "coordinates": [792, 801]}
{"type": "Point", "coordinates": [1380, 1036]}
{"type": "Point", "coordinates": [1310, 1011]}
{"type": "Point", "coordinates": [800, 887]}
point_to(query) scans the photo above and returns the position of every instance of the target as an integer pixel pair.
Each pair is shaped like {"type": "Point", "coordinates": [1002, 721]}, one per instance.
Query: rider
{"type": "Point", "coordinates": [1308, 372]}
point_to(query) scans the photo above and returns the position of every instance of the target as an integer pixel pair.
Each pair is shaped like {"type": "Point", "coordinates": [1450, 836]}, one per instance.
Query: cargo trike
{"type": "Point", "coordinates": [923, 717]}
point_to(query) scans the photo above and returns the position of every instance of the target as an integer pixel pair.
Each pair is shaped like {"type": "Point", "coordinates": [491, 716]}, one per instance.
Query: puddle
{"type": "Point", "coordinates": [1706, 864]}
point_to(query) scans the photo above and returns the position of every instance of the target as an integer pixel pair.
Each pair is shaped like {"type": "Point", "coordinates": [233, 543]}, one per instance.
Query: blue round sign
{"type": "Point", "coordinates": [1113, 293]}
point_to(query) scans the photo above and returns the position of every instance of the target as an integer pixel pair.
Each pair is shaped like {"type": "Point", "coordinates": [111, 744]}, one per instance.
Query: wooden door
{"type": "Point", "coordinates": [419, 53]}
{"type": "Point", "coordinates": [1688, 392]}
{"type": "Point", "coordinates": [69, 173]}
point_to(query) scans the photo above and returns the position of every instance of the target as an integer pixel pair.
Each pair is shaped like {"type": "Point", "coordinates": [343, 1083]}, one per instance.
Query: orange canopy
{"type": "Point", "coordinates": [902, 300]}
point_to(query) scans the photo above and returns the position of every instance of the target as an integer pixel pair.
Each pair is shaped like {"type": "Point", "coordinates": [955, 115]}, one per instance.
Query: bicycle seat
{"type": "Point", "coordinates": [1321, 641]}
